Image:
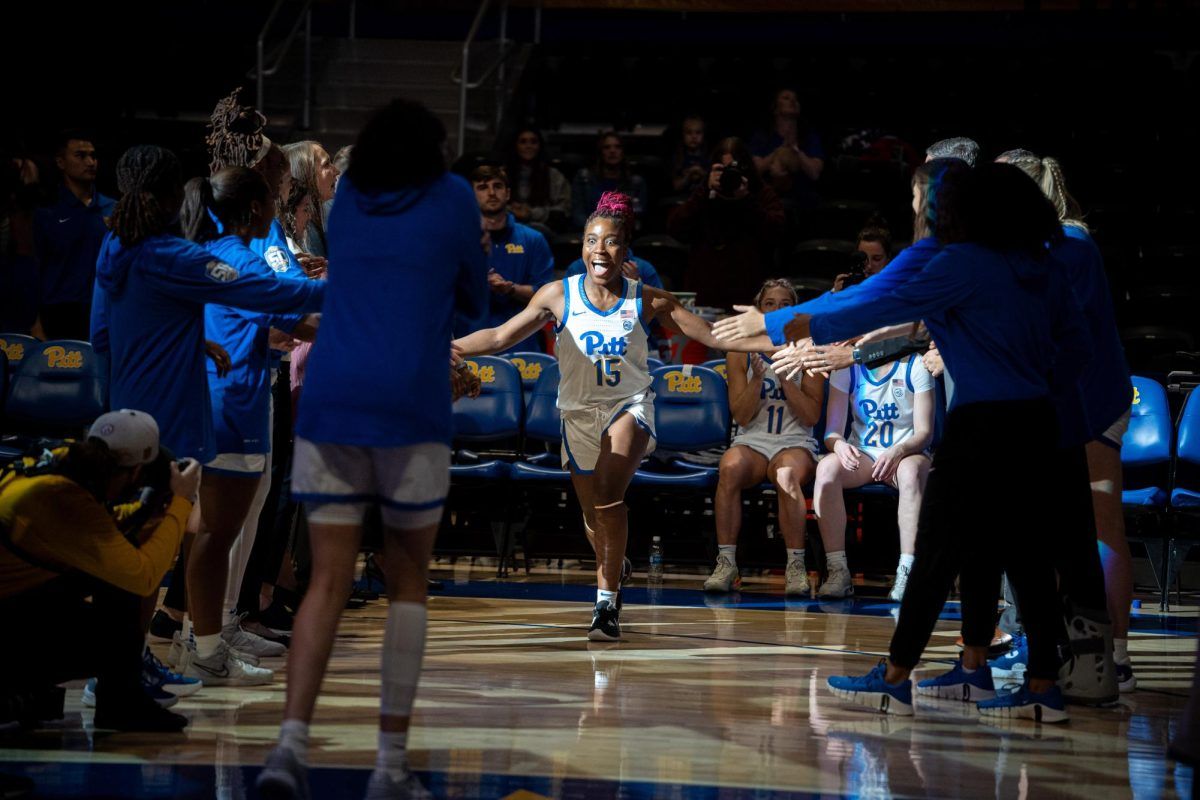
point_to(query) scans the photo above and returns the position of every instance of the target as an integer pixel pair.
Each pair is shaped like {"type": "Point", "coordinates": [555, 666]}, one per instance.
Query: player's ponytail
{"type": "Point", "coordinates": [228, 196]}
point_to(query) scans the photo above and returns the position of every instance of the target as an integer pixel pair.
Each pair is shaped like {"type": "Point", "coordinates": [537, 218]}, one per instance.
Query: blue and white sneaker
{"type": "Point", "coordinates": [163, 699]}
{"type": "Point", "coordinates": [957, 684]}
{"type": "Point", "coordinates": [157, 675]}
{"type": "Point", "coordinates": [1024, 704]}
{"type": "Point", "coordinates": [872, 691]}
{"type": "Point", "coordinates": [1013, 663]}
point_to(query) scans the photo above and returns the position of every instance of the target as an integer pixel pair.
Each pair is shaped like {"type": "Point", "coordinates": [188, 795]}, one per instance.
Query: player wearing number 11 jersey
{"type": "Point", "coordinates": [891, 427]}
{"type": "Point", "coordinates": [604, 394]}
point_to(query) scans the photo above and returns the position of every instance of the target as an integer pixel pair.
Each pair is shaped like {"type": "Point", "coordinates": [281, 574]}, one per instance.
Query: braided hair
{"type": "Point", "coordinates": [236, 138]}
{"type": "Point", "coordinates": [1049, 177]}
{"type": "Point", "coordinates": [617, 207]}
{"type": "Point", "coordinates": [150, 180]}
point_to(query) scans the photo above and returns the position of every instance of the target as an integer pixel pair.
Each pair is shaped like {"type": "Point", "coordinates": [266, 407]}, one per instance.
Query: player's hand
{"type": "Point", "coordinates": [849, 455]}
{"type": "Point", "coordinates": [824, 359]}
{"type": "Point", "coordinates": [219, 357]}
{"type": "Point", "coordinates": [788, 362]}
{"type": "Point", "coordinates": [933, 361]}
{"type": "Point", "coordinates": [757, 365]}
{"type": "Point", "coordinates": [186, 484]}
{"type": "Point", "coordinates": [314, 266]}
{"type": "Point", "coordinates": [748, 322]}
{"type": "Point", "coordinates": [464, 383]}
{"type": "Point", "coordinates": [498, 284]}
{"type": "Point", "coordinates": [630, 271]}
{"type": "Point", "coordinates": [886, 464]}
{"type": "Point", "coordinates": [282, 340]}
{"type": "Point", "coordinates": [839, 282]}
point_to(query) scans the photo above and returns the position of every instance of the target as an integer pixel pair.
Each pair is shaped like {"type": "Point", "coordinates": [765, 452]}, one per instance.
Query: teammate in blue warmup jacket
{"type": "Point", "coordinates": [375, 422]}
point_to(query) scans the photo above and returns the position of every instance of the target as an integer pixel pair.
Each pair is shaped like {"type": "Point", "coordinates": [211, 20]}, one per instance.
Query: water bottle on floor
{"type": "Point", "coordinates": [655, 572]}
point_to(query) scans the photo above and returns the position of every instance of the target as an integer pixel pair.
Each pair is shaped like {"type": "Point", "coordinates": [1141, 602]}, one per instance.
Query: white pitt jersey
{"type": "Point", "coordinates": [601, 354]}
{"type": "Point", "coordinates": [882, 400]}
{"type": "Point", "coordinates": [774, 417]}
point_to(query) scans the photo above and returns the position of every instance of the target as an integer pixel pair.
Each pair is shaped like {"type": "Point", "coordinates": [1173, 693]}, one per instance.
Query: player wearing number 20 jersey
{"type": "Point", "coordinates": [881, 401]}
{"type": "Point", "coordinates": [602, 358]}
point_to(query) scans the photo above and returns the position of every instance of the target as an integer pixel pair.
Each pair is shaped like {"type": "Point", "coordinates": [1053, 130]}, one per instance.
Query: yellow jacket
{"type": "Point", "coordinates": [57, 522]}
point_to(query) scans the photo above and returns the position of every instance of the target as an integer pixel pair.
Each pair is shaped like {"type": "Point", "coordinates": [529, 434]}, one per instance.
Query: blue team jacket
{"type": "Point", "coordinates": [67, 237]}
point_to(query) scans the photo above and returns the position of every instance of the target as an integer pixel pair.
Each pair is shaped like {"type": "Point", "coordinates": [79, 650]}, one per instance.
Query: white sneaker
{"type": "Point", "coordinates": [283, 777]}
{"type": "Point", "coordinates": [724, 578]}
{"type": "Point", "coordinates": [250, 643]}
{"type": "Point", "coordinates": [797, 580]}
{"type": "Point", "coordinates": [224, 668]}
{"type": "Point", "coordinates": [900, 584]}
{"type": "Point", "coordinates": [382, 786]}
{"type": "Point", "coordinates": [181, 652]}
{"type": "Point", "coordinates": [837, 583]}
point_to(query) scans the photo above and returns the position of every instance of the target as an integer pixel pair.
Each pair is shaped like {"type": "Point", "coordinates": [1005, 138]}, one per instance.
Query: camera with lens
{"type": "Point", "coordinates": [153, 492]}
{"type": "Point", "coordinates": [858, 269]}
{"type": "Point", "coordinates": [730, 180]}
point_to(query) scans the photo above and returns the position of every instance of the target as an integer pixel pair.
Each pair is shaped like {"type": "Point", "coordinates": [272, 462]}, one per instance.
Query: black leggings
{"type": "Point", "coordinates": [986, 511]}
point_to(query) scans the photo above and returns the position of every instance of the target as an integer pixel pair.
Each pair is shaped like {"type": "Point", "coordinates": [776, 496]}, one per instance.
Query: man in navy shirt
{"type": "Point", "coordinates": [519, 260]}
{"type": "Point", "coordinates": [67, 237]}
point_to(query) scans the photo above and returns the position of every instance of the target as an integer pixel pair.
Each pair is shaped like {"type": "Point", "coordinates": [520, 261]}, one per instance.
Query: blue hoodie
{"type": "Point", "coordinates": [402, 263]}
{"type": "Point", "coordinates": [1007, 325]}
{"type": "Point", "coordinates": [148, 314]}
{"type": "Point", "coordinates": [1105, 385]}
{"type": "Point", "coordinates": [241, 400]}
{"type": "Point", "coordinates": [907, 263]}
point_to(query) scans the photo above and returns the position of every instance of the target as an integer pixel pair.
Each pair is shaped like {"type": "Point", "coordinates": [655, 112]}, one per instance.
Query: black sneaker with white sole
{"type": "Point", "coordinates": [606, 622]}
{"type": "Point", "coordinates": [162, 627]}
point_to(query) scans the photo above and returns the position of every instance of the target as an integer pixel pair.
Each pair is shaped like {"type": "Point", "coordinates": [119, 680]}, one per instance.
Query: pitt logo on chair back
{"type": "Point", "coordinates": [61, 358]}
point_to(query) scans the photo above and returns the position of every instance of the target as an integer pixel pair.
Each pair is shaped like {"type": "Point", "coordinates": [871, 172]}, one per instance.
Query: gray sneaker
{"type": "Point", "coordinates": [283, 777]}
{"type": "Point", "coordinates": [382, 786]}
{"type": "Point", "coordinates": [900, 584]}
{"type": "Point", "coordinates": [797, 580]}
{"type": "Point", "coordinates": [837, 583]}
{"type": "Point", "coordinates": [1089, 676]}
{"type": "Point", "coordinates": [224, 668]}
{"type": "Point", "coordinates": [724, 577]}
{"type": "Point", "coordinates": [244, 641]}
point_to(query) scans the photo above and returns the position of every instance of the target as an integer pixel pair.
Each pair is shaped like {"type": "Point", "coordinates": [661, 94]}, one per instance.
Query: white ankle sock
{"type": "Point", "coordinates": [207, 645]}
{"type": "Point", "coordinates": [403, 648]}
{"type": "Point", "coordinates": [1121, 651]}
{"type": "Point", "coordinates": [729, 551]}
{"type": "Point", "coordinates": [796, 555]}
{"type": "Point", "coordinates": [293, 734]}
{"type": "Point", "coordinates": [393, 754]}
{"type": "Point", "coordinates": [906, 560]}
{"type": "Point", "coordinates": [604, 594]}
{"type": "Point", "coordinates": [836, 558]}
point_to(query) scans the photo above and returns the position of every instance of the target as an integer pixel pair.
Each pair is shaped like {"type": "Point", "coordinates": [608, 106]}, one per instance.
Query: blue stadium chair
{"type": "Point", "coordinates": [3, 381]}
{"type": "Point", "coordinates": [691, 412]}
{"type": "Point", "coordinates": [530, 365]}
{"type": "Point", "coordinates": [1186, 494]}
{"type": "Point", "coordinates": [14, 346]}
{"type": "Point", "coordinates": [543, 425]}
{"type": "Point", "coordinates": [1146, 447]}
{"type": "Point", "coordinates": [718, 366]}
{"type": "Point", "coordinates": [492, 418]}
{"type": "Point", "coordinates": [57, 389]}
{"type": "Point", "coordinates": [653, 364]}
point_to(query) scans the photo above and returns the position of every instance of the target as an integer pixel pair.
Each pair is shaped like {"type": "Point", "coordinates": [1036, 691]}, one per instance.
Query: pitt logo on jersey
{"type": "Point", "coordinates": [594, 344]}
{"type": "Point", "coordinates": [58, 357]}
{"type": "Point", "coordinates": [678, 383]}
{"type": "Point", "coordinates": [771, 391]}
{"type": "Point", "coordinates": [485, 374]}
{"type": "Point", "coordinates": [1137, 397]}
{"type": "Point", "coordinates": [870, 410]}
{"type": "Point", "coordinates": [514, 249]}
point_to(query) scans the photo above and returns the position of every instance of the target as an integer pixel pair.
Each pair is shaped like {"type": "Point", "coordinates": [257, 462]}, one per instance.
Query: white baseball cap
{"type": "Point", "coordinates": [132, 435]}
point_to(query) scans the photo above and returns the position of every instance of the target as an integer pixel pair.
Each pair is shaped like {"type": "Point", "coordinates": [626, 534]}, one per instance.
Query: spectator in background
{"type": "Point", "coordinates": [313, 172]}
{"type": "Point", "coordinates": [875, 245]}
{"type": "Point", "coordinates": [689, 165]}
{"type": "Point", "coordinates": [341, 162]}
{"type": "Point", "coordinates": [789, 155]}
{"type": "Point", "coordinates": [611, 174]}
{"type": "Point", "coordinates": [67, 237]}
{"type": "Point", "coordinates": [18, 269]}
{"type": "Point", "coordinates": [540, 192]}
{"type": "Point", "coordinates": [519, 259]}
{"type": "Point", "coordinates": [732, 222]}
{"type": "Point", "coordinates": [959, 147]}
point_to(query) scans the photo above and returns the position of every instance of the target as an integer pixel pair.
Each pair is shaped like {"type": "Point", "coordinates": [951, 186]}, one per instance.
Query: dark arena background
{"type": "Point", "coordinates": [710, 694]}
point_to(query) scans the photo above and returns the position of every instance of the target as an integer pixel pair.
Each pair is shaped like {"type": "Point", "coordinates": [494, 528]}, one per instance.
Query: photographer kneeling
{"type": "Point", "coordinates": [62, 541]}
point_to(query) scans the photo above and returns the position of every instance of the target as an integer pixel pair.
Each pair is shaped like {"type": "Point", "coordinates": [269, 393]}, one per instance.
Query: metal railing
{"type": "Point", "coordinates": [261, 71]}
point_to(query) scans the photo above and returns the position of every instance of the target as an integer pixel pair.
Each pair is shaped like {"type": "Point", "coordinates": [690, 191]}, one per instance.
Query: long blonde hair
{"type": "Point", "coordinates": [1048, 175]}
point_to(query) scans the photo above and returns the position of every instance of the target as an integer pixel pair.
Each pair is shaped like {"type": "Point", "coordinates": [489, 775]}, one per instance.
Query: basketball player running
{"type": "Point", "coordinates": [604, 394]}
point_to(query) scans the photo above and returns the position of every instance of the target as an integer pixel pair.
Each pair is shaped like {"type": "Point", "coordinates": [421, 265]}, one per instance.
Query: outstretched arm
{"type": "Point", "coordinates": [670, 312]}
{"type": "Point", "coordinates": [546, 305]}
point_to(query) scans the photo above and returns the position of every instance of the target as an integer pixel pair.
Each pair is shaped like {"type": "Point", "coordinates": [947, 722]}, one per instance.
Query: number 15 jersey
{"type": "Point", "coordinates": [601, 354]}
{"type": "Point", "coordinates": [882, 401]}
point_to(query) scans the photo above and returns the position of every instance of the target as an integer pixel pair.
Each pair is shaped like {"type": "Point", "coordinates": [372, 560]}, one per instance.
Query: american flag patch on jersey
{"type": "Point", "coordinates": [627, 313]}
{"type": "Point", "coordinates": [897, 381]}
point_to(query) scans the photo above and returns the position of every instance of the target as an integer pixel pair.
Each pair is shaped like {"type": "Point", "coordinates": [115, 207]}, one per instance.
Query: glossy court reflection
{"type": "Point", "coordinates": [714, 698]}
